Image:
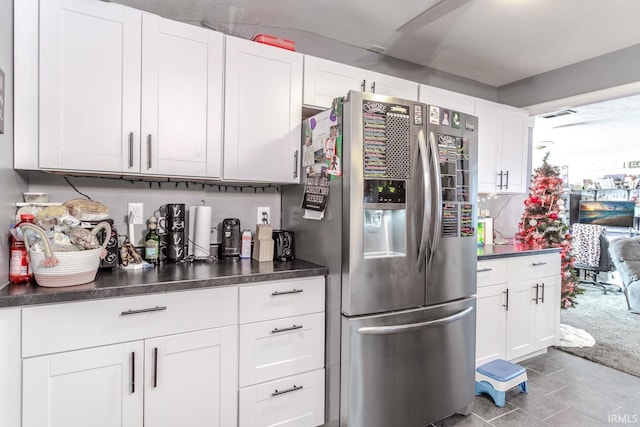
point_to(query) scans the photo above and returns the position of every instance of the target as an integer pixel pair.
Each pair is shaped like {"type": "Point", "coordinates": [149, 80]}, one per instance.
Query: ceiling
{"type": "Point", "coordinates": [494, 42]}
{"type": "Point", "coordinates": [598, 129]}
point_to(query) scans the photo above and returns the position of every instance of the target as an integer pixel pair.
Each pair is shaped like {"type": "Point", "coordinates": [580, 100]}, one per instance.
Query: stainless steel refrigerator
{"type": "Point", "coordinates": [397, 231]}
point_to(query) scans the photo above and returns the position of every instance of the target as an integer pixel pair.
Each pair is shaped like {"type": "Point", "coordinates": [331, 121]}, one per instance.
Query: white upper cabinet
{"type": "Point", "coordinates": [182, 68]}
{"type": "Point", "coordinates": [128, 92]}
{"type": "Point", "coordinates": [503, 141]}
{"type": "Point", "coordinates": [325, 80]}
{"type": "Point", "coordinates": [263, 112]}
{"type": "Point", "coordinates": [387, 85]}
{"type": "Point", "coordinates": [89, 112]}
{"type": "Point", "coordinates": [447, 99]}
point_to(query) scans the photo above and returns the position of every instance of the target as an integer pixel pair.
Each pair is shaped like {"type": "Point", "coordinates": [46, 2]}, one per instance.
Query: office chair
{"type": "Point", "coordinates": [591, 254]}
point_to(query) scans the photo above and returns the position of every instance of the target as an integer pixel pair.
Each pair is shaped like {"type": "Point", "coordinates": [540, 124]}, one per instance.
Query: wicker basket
{"type": "Point", "coordinates": [73, 268]}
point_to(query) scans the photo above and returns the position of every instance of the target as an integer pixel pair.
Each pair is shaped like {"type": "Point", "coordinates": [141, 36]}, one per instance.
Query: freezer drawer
{"type": "Point", "coordinates": [408, 368]}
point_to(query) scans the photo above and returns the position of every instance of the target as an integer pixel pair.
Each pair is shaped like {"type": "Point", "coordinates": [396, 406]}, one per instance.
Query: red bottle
{"type": "Point", "coordinates": [19, 270]}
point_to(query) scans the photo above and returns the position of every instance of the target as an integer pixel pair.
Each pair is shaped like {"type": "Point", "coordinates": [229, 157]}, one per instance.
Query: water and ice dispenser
{"type": "Point", "coordinates": [385, 227]}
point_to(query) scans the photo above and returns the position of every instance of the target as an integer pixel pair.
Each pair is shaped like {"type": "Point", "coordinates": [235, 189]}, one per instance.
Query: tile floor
{"type": "Point", "coordinates": [564, 391]}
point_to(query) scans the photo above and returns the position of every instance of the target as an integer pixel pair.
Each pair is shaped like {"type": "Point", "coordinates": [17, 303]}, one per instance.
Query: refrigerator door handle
{"type": "Point", "coordinates": [422, 157]}
{"type": "Point", "coordinates": [397, 329]}
{"type": "Point", "coordinates": [437, 229]}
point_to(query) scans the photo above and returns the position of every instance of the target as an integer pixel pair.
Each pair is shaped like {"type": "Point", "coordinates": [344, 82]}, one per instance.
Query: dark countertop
{"type": "Point", "coordinates": [507, 251]}
{"type": "Point", "coordinates": [167, 278]}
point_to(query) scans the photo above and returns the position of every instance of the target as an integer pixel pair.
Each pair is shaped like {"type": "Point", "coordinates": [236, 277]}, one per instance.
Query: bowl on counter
{"type": "Point", "coordinates": [35, 197]}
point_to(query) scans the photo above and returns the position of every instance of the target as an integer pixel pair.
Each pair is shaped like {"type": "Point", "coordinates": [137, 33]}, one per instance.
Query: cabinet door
{"type": "Point", "coordinates": [520, 319]}
{"type": "Point", "coordinates": [182, 99]}
{"type": "Point", "coordinates": [489, 146]}
{"type": "Point", "coordinates": [384, 84]}
{"type": "Point", "coordinates": [515, 149]}
{"type": "Point", "coordinates": [491, 322]}
{"type": "Point", "coordinates": [263, 112]}
{"type": "Point", "coordinates": [89, 86]}
{"type": "Point", "coordinates": [447, 99]}
{"type": "Point", "coordinates": [547, 317]}
{"type": "Point", "coordinates": [191, 379]}
{"type": "Point", "coordinates": [325, 80]}
{"type": "Point", "coordinates": [98, 387]}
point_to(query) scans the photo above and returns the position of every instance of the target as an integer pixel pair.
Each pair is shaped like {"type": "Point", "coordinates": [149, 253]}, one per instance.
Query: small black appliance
{"type": "Point", "coordinates": [282, 245]}
{"type": "Point", "coordinates": [230, 238]}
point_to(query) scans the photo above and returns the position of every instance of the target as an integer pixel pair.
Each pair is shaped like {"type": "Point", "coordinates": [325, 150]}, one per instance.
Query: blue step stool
{"type": "Point", "coordinates": [497, 377]}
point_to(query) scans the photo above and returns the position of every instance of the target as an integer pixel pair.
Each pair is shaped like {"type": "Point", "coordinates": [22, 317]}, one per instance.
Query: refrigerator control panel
{"type": "Point", "coordinates": [384, 191]}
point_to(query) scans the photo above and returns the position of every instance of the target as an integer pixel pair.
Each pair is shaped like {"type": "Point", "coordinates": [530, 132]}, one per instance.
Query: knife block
{"type": "Point", "coordinates": [263, 246]}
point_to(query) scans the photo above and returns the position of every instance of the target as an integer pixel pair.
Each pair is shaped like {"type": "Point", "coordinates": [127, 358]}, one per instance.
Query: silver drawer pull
{"type": "Point", "coordinates": [291, 328]}
{"type": "Point", "coordinates": [292, 291]}
{"type": "Point", "coordinates": [294, 388]}
{"type": "Point", "coordinates": [482, 270]}
{"type": "Point", "coordinates": [536, 264]}
{"type": "Point", "coordinates": [143, 310]}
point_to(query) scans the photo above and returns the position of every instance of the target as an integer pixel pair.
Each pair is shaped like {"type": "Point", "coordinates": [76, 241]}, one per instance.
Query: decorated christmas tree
{"type": "Point", "coordinates": [542, 225]}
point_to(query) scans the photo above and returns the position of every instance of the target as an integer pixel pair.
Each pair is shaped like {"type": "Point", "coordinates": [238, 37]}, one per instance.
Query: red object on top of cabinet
{"type": "Point", "coordinates": [275, 41]}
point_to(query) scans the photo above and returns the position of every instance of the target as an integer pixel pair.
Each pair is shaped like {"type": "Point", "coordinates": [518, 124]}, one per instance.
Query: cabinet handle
{"type": "Point", "coordinates": [373, 87]}
{"type": "Point", "coordinates": [537, 289]}
{"type": "Point", "coordinates": [143, 310]}
{"type": "Point", "coordinates": [130, 149]}
{"type": "Point", "coordinates": [363, 85]}
{"type": "Point", "coordinates": [290, 328]}
{"type": "Point", "coordinates": [149, 151]}
{"type": "Point", "coordinates": [542, 293]}
{"type": "Point", "coordinates": [506, 303]}
{"type": "Point", "coordinates": [294, 388]}
{"type": "Point", "coordinates": [538, 264]}
{"type": "Point", "coordinates": [500, 185]}
{"type": "Point", "coordinates": [132, 384]}
{"type": "Point", "coordinates": [295, 164]}
{"type": "Point", "coordinates": [506, 185]}
{"type": "Point", "coordinates": [482, 270]}
{"type": "Point", "coordinates": [292, 291]}
{"type": "Point", "coordinates": [155, 367]}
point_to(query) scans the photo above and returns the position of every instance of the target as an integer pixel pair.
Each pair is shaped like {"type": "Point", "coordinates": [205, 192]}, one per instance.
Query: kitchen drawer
{"type": "Point", "coordinates": [285, 298]}
{"type": "Point", "coordinates": [278, 348]}
{"type": "Point", "coordinates": [297, 400]}
{"type": "Point", "coordinates": [533, 267]}
{"type": "Point", "coordinates": [492, 272]}
{"type": "Point", "coordinates": [62, 327]}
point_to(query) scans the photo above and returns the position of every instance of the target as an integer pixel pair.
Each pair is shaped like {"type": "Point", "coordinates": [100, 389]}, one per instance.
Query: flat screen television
{"type": "Point", "coordinates": [607, 212]}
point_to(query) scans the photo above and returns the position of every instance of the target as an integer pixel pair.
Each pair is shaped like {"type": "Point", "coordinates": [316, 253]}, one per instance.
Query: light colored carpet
{"type": "Point", "coordinates": [615, 329]}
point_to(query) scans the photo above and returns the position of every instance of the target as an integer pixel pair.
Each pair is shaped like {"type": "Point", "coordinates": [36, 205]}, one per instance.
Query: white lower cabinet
{"type": "Point", "coordinates": [518, 306]}
{"type": "Point", "coordinates": [491, 323]}
{"type": "Point", "coordinates": [100, 386]}
{"type": "Point", "coordinates": [176, 362]}
{"type": "Point", "coordinates": [190, 379]}
{"type": "Point", "coordinates": [295, 401]}
{"type": "Point", "coordinates": [251, 355]}
{"type": "Point", "coordinates": [281, 369]}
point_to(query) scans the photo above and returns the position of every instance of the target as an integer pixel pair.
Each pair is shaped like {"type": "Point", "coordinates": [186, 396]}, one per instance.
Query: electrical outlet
{"type": "Point", "coordinates": [135, 211]}
{"type": "Point", "coordinates": [264, 215]}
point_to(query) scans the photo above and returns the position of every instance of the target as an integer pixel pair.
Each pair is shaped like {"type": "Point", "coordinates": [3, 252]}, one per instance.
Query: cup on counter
{"type": "Point", "coordinates": [176, 245]}
{"type": "Point", "coordinates": [172, 210]}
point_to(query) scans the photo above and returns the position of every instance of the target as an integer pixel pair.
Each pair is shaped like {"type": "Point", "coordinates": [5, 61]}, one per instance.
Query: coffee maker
{"type": "Point", "coordinates": [230, 238]}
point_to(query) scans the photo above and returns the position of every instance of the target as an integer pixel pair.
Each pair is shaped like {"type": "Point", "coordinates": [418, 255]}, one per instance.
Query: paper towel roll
{"type": "Point", "coordinates": [200, 231]}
